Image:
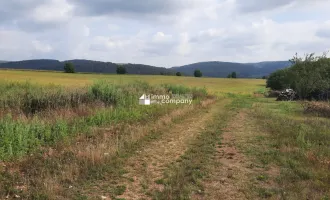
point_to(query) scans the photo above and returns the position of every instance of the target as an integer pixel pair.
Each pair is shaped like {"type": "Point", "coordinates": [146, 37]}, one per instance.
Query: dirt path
{"type": "Point", "coordinates": [233, 175]}
{"type": "Point", "coordinates": [148, 166]}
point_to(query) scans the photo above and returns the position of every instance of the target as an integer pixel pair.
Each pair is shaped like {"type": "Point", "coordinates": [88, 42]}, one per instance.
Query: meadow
{"type": "Point", "coordinates": [84, 136]}
{"type": "Point", "coordinates": [213, 85]}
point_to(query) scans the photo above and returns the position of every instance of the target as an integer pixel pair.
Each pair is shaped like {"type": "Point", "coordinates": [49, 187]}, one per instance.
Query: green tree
{"type": "Point", "coordinates": [308, 76]}
{"type": "Point", "coordinates": [229, 75]}
{"type": "Point", "coordinates": [233, 75]}
{"type": "Point", "coordinates": [198, 73]}
{"type": "Point", "coordinates": [279, 79]}
{"type": "Point", "coordinates": [121, 70]}
{"type": "Point", "coordinates": [178, 74]}
{"type": "Point", "coordinates": [69, 68]}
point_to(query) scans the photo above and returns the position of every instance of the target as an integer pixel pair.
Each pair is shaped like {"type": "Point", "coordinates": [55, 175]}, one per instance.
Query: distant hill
{"type": "Point", "coordinates": [85, 66]}
{"type": "Point", "coordinates": [222, 69]}
{"type": "Point", "coordinates": [210, 69]}
{"type": "Point", "coordinates": [2, 61]}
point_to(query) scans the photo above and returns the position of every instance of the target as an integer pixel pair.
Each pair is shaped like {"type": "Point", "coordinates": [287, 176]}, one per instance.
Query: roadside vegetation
{"type": "Point", "coordinates": [33, 116]}
{"type": "Point", "coordinates": [42, 127]}
{"type": "Point", "coordinates": [299, 143]}
{"type": "Point", "coordinates": [308, 76]}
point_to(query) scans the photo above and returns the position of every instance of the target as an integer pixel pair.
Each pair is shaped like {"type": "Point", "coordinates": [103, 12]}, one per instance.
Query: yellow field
{"type": "Point", "coordinates": [213, 85]}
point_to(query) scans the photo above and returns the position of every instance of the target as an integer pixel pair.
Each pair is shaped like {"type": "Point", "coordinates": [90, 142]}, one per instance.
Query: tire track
{"type": "Point", "coordinates": [149, 164]}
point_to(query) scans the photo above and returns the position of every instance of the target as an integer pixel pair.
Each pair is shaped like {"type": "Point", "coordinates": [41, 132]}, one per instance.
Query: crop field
{"type": "Point", "coordinates": [214, 85]}
{"type": "Point", "coordinates": [85, 136]}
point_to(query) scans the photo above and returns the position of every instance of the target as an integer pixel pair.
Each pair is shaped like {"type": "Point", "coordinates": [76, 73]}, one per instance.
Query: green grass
{"type": "Point", "coordinates": [87, 173]}
{"type": "Point", "coordinates": [20, 136]}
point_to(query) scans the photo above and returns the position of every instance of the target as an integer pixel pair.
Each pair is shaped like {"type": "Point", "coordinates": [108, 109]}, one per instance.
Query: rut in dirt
{"type": "Point", "coordinates": [232, 175]}
{"type": "Point", "coordinates": [148, 165]}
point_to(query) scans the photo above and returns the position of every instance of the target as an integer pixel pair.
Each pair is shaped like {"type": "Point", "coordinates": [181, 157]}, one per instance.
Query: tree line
{"type": "Point", "coordinates": [309, 76]}
{"type": "Point", "coordinates": [69, 68]}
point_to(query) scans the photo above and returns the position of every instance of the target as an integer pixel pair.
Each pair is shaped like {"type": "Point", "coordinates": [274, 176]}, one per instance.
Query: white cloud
{"type": "Point", "coordinates": [161, 38]}
{"type": "Point", "coordinates": [184, 48]}
{"type": "Point", "coordinates": [52, 11]}
{"type": "Point", "coordinates": [41, 47]}
{"type": "Point", "coordinates": [113, 27]}
{"type": "Point", "coordinates": [86, 31]}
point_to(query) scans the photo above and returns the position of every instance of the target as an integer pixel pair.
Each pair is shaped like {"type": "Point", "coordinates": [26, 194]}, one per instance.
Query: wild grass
{"type": "Point", "coordinates": [86, 163]}
{"type": "Point", "coordinates": [300, 145]}
{"type": "Point", "coordinates": [321, 109]}
{"type": "Point", "coordinates": [20, 136]}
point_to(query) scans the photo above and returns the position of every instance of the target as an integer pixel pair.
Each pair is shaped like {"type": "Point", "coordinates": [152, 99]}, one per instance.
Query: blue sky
{"type": "Point", "coordinates": [163, 33]}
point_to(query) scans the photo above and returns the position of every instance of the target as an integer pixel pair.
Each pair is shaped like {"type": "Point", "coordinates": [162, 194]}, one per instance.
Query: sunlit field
{"type": "Point", "coordinates": [213, 85]}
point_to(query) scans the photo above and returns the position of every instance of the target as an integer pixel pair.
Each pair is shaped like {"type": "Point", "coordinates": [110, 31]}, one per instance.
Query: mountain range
{"type": "Point", "coordinates": [244, 70]}
{"type": "Point", "coordinates": [209, 69]}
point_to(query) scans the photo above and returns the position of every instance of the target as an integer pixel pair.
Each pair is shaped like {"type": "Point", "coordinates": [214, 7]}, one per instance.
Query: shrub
{"type": "Point", "coordinates": [178, 74]}
{"type": "Point", "coordinates": [278, 80]}
{"type": "Point", "coordinates": [309, 77]}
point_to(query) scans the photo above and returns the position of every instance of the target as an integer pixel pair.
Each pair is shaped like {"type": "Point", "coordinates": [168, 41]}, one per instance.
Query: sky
{"type": "Point", "coordinates": [163, 33]}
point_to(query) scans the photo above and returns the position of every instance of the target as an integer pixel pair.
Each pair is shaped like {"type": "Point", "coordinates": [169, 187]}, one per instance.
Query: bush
{"type": "Point", "coordinates": [198, 73]}
{"type": "Point", "coordinates": [69, 68]}
{"type": "Point", "coordinates": [178, 74]}
{"type": "Point", "coordinates": [309, 77]}
{"type": "Point", "coordinates": [278, 80]}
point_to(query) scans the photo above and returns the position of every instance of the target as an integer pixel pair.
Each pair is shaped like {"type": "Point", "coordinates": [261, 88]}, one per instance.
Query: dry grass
{"type": "Point", "coordinates": [321, 109]}
{"type": "Point", "coordinates": [213, 85]}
